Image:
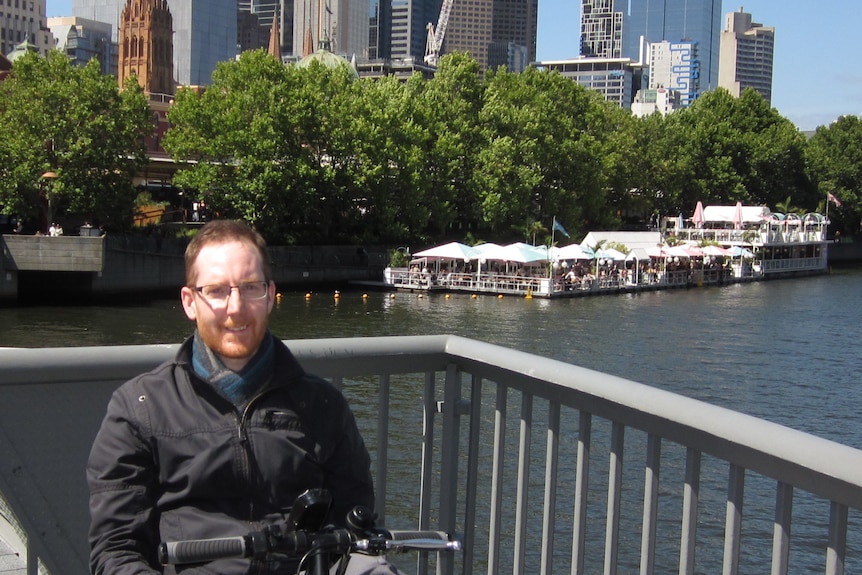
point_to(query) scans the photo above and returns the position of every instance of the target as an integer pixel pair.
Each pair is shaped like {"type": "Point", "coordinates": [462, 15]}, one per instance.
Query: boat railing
{"type": "Point", "coordinates": [763, 235]}
{"type": "Point", "coordinates": [537, 465]}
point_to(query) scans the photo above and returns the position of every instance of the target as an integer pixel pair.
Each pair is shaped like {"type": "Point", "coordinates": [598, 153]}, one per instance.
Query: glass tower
{"type": "Point", "coordinates": [676, 20]}
{"type": "Point", "coordinates": [204, 33]}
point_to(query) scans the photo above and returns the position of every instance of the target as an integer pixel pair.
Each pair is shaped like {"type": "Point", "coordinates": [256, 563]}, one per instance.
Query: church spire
{"type": "Point", "coordinates": [275, 38]}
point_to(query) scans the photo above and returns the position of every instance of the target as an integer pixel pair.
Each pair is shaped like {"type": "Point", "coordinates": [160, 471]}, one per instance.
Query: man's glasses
{"type": "Point", "coordinates": [219, 294]}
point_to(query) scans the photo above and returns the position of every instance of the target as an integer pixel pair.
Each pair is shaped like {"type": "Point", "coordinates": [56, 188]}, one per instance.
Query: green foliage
{"type": "Point", "coordinates": [835, 156]}
{"type": "Point", "coordinates": [76, 123]}
{"type": "Point", "coordinates": [398, 258]}
{"type": "Point", "coordinates": [315, 155]}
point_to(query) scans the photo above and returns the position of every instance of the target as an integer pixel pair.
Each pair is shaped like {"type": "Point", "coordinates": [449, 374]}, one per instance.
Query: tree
{"type": "Point", "coordinates": [450, 104]}
{"type": "Point", "coordinates": [386, 143]}
{"type": "Point", "coordinates": [236, 141]}
{"type": "Point", "coordinates": [835, 159]}
{"type": "Point", "coordinates": [78, 124]}
{"type": "Point", "coordinates": [727, 149]}
{"type": "Point", "coordinates": [541, 151]}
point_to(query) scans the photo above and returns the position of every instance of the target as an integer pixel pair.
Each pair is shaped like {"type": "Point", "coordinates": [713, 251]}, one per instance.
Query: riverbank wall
{"type": "Point", "coordinates": [67, 269]}
{"type": "Point", "coordinates": [847, 251]}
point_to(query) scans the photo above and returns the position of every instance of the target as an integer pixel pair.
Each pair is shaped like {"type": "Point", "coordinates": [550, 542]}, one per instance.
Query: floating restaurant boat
{"type": "Point", "coordinates": [717, 245]}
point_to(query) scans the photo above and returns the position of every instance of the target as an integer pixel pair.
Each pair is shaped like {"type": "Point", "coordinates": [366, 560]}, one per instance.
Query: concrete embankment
{"type": "Point", "coordinates": [70, 268]}
{"type": "Point", "coordinates": [845, 252]}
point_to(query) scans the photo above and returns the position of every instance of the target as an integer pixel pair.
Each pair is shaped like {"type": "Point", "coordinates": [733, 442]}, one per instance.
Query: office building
{"type": "Point", "coordinates": [659, 100]}
{"type": "Point", "coordinates": [616, 79]}
{"type": "Point", "coordinates": [24, 23]}
{"type": "Point", "coordinates": [697, 21]}
{"type": "Point", "coordinates": [83, 40]}
{"type": "Point", "coordinates": [408, 29]}
{"type": "Point", "coordinates": [205, 33]}
{"type": "Point", "coordinates": [602, 28]}
{"type": "Point", "coordinates": [380, 30]}
{"type": "Point", "coordinates": [479, 26]}
{"type": "Point", "coordinates": [676, 66]}
{"type": "Point", "coordinates": [470, 29]}
{"type": "Point", "coordinates": [747, 50]}
{"type": "Point", "coordinates": [509, 55]}
{"type": "Point", "coordinates": [340, 25]}
{"type": "Point", "coordinates": [255, 22]}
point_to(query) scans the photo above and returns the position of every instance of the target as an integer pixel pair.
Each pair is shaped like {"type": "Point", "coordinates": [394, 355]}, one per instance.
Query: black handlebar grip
{"type": "Point", "coordinates": [202, 550]}
{"type": "Point", "coordinates": [406, 535]}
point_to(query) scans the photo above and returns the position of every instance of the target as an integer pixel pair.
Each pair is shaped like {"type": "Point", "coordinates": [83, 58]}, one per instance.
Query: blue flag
{"type": "Point", "coordinates": [559, 227]}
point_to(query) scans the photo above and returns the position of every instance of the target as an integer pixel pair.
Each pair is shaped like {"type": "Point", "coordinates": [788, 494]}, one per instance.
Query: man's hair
{"type": "Point", "coordinates": [222, 232]}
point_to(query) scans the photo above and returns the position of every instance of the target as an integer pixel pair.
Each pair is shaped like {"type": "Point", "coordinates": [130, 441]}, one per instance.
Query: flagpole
{"type": "Point", "coordinates": [550, 263]}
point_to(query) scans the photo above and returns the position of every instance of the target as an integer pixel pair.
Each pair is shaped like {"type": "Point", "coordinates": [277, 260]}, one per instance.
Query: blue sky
{"type": "Point", "coordinates": [816, 75]}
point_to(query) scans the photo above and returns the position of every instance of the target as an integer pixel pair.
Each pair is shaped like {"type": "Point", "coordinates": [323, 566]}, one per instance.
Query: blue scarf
{"type": "Point", "coordinates": [240, 386]}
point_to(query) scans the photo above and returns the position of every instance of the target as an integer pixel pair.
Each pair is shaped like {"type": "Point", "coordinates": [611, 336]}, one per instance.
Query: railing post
{"type": "Point", "coordinates": [837, 547]}
{"type": "Point", "coordinates": [550, 505]}
{"type": "Point", "coordinates": [651, 481]}
{"type": "Point", "coordinates": [691, 496]}
{"type": "Point", "coordinates": [582, 486]}
{"type": "Point", "coordinates": [733, 522]}
{"type": "Point", "coordinates": [468, 550]}
{"type": "Point", "coordinates": [523, 487]}
{"type": "Point", "coordinates": [495, 521]}
{"type": "Point", "coordinates": [615, 481]}
{"type": "Point", "coordinates": [781, 535]}
{"type": "Point", "coordinates": [449, 459]}
{"type": "Point", "coordinates": [382, 447]}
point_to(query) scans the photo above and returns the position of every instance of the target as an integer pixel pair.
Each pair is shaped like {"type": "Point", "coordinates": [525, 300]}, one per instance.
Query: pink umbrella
{"type": "Point", "coordinates": [697, 217]}
{"type": "Point", "coordinates": [737, 216]}
{"type": "Point", "coordinates": [715, 251]}
{"type": "Point", "coordinates": [693, 251]}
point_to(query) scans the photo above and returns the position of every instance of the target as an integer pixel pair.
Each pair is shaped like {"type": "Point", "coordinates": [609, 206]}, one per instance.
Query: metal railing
{"type": "Point", "coordinates": [538, 465]}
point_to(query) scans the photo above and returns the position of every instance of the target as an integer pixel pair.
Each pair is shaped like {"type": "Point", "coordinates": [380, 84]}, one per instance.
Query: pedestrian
{"type": "Point", "coordinates": [221, 440]}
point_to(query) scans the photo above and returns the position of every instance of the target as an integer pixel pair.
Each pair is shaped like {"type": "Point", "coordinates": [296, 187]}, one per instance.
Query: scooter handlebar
{"type": "Point", "coordinates": [255, 544]}
{"type": "Point", "coordinates": [200, 550]}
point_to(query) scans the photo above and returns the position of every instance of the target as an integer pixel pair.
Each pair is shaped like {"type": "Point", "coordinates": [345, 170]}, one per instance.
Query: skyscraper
{"type": "Point", "coordinates": [746, 55]}
{"type": "Point", "coordinates": [266, 10]}
{"type": "Point", "coordinates": [83, 40]}
{"type": "Point", "coordinates": [24, 22]}
{"type": "Point", "coordinates": [380, 29]}
{"type": "Point", "coordinates": [675, 21]}
{"type": "Point", "coordinates": [674, 65]}
{"type": "Point", "coordinates": [478, 26]}
{"type": "Point", "coordinates": [342, 24]}
{"type": "Point", "coordinates": [204, 33]}
{"type": "Point", "coordinates": [602, 29]}
{"type": "Point", "coordinates": [409, 27]}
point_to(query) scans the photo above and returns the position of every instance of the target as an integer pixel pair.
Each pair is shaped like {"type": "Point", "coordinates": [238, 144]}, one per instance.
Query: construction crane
{"type": "Point", "coordinates": [436, 35]}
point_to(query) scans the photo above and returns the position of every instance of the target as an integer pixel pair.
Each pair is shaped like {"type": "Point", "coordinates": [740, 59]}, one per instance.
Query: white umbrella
{"type": "Point", "coordinates": [518, 252]}
{"type": "Point", "coordinates": [486, 247]}
{"type": "Point", "coordinates": [741, 252]}
{"type": "Point", "coordinates": [676, 251]}
{"type": "Point", "coordinates": [571, 252]}
{"type": "Point", "coordinates": [609, 254]}
{"type": "Point", "coordinates": [450, 251]}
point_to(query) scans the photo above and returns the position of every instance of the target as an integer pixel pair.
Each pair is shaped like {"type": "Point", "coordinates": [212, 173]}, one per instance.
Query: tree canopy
{"type": "Point", "coordinates": [77, 126]}
{"type": "Point", "coordinates": [312, 154]}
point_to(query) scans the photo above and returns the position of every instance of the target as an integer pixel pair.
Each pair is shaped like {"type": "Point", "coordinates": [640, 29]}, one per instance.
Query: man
{"type": "Point", "coordinates": [223, 438]}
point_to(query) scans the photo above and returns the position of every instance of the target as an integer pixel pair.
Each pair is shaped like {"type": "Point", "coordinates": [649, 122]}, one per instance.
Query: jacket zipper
{"type": "Point", "coordinates": [246, 448]}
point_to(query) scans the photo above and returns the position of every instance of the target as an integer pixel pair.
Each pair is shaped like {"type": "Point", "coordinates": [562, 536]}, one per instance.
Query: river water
{"type": "Point", "coordinates": [783, 350]}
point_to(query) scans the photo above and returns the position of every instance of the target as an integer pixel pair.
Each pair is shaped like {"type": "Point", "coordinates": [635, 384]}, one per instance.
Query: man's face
{"type": "Point", "coordinates": [234, 328]}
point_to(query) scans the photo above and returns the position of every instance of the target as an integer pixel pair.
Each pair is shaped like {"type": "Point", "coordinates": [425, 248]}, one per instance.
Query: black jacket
{"type": "Point", "coordinates": [174, 459]}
